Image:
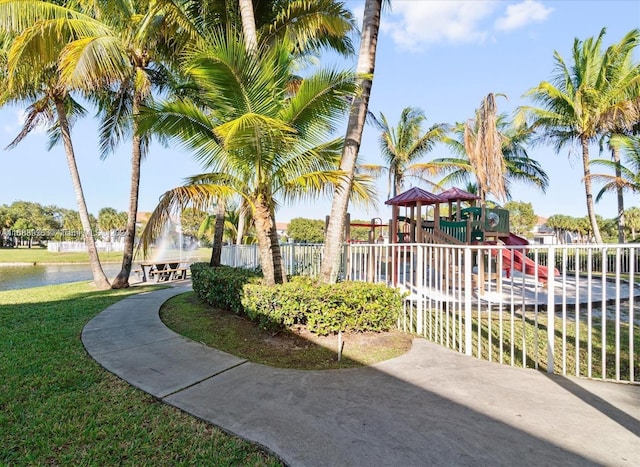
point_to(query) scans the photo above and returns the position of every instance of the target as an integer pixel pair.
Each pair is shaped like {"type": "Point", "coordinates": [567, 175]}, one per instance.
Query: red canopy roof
{"type": "Point", "coordinates": [412, 196]}
{"type": "Point", "coordinates": [456, 194]}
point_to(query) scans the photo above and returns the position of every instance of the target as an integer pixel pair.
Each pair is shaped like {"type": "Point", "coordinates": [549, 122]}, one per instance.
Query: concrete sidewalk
{"type": "Point", "coordinates": [431, 406]}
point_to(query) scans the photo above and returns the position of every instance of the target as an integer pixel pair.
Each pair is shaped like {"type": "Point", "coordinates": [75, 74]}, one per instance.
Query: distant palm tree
{"type": "Point", "coordinates": [402, 146]}
{"type": "Point", "coordinates": [483, 145]}
{"type": "Point", "coordinates": [518, 166]}
{"type": "Point", "coordinates": [596, 93]}
{"type": "Point", "coordinates": [633, 221]}
{"type": "Point", "coordinates": [258, 140]}
{"type": "Point", "coordinates": [626, 176]}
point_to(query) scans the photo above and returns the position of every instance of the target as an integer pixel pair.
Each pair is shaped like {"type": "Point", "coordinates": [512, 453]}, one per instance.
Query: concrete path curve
{"type": "Point", "coordinates": [431, 406]}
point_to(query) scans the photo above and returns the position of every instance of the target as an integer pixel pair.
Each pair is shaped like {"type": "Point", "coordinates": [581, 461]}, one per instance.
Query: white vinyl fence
{"type": "Point", "coordinates": [493, 302]}
{"type": "Point", "coordinates": [64, 247]}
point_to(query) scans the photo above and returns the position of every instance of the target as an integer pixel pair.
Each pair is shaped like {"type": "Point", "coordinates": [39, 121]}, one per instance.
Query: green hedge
{"type": "Point", "coordinates": [221, 287]}
{"type": "Point", "coordinates": [325, 309]}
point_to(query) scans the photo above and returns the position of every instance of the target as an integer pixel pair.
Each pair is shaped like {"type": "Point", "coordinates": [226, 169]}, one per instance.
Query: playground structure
{"type": "Point", "coordinates": [474, 224]}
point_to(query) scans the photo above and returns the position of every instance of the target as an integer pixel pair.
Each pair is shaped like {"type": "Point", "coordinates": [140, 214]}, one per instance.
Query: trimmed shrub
{"type": "Point", "coordinates": [221, 287]}
{"type": "Point", "coordinates": [278, 306]}
{"type": "Point", "coordinates": [324, 308]}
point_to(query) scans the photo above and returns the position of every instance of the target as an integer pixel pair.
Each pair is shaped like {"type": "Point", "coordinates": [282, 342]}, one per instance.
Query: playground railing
{"type": "Point", "coordinates": [565, 309]}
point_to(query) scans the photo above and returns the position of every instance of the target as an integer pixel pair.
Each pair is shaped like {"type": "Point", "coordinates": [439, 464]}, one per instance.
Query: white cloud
{"type": "Point", "coordinates": [437, 21]}
{"type": "Point", "coordinates": [521, 14]}
{"type": "Point", "coordinates": [413, 24]}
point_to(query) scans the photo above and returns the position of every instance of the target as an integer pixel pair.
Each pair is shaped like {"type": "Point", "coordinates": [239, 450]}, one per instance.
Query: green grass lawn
{"type": "Point", "coordinates": [41, 255]}
{"type": "Point", "coordinates": [59, 407]}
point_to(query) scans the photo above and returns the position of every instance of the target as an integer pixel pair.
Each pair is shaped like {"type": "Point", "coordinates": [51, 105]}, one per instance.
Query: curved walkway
{"type": "Point", "coordinates": [430, 406]}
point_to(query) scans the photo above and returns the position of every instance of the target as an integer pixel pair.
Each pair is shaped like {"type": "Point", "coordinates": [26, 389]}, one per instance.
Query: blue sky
{"type": "Point", "coordinates": [440, 56]}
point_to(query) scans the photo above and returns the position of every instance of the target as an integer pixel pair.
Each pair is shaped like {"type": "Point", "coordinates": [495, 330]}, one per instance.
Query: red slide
{"type": "Point", "coordinates": [521, 262]}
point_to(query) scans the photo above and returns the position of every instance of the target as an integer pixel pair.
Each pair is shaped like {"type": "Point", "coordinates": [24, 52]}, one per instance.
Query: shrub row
{"type": "Point", "coordinates": [221, 287]}
{"type": "Point", "coordinates": [323, 308]}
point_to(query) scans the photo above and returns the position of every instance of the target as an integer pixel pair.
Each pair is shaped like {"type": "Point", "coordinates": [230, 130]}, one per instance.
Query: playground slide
{"type": "Point", "coordinates": [521, 262]}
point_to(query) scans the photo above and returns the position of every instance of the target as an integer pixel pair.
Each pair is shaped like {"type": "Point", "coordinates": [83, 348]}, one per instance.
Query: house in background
{"type": "Point", "coordinates": [541, 234]}
{"type": "Point", "coordinates": [281, 229]}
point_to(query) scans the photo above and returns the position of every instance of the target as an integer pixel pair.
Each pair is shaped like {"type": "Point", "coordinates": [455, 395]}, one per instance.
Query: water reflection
{"type": "Point", "coordinates": [22, 277]}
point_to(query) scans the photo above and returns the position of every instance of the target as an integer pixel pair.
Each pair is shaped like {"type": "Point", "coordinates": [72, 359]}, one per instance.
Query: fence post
{"type": "Point", "coordinates": [551, 308]}
{"type": "Point", "coordinates": [468, 294]}
{"type": "Point", "coordinates": [419, 287]}
{"type": "Point", "coordinates": [292, 259]}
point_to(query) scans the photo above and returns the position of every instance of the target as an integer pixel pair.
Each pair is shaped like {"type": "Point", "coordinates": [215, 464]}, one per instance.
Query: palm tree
{"type": "Point", "coordinates": [120, 67]}
{"type": "Point", "coordinates": [32, 76]}
{"type": "Point", "coordinates": [258, 140]}
{"type": "Point", "coordinates": [403, 145]}
{"type": "Point", "coordinates": [483, 145]}
{"type": "Point", "coordinates": [310, 26]}
{"type": "Point", "coordinates": [596, 93]}
{"type": "Point", "coordinates": [355, 126]}
{"type": "Point", "coordinates": [633, 221]}
{"type": "Point", "coordinates": [626, 177]}
{"type": "Point", "coordinates": [130, 53]}
{"type": "Point", "coordinates": [518, 166]}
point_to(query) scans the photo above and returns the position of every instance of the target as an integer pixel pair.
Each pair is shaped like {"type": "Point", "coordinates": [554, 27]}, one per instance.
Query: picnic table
{"type": "Point", "coordinates": [163, 271]}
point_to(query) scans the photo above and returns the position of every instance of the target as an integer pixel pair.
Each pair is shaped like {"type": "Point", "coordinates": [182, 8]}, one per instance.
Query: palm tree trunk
{"type": "Point", "coordinates": [218, 235]}
{"type": "Point", "coordinates": [122, 279]}
{"type": "Point", "coordinates": [99, 277]}
{"type": "Point", "coordinates": [248, 24]}
{"type": "Point", "coordinates": [587, 189]}
{"type": "Point", "coordinates": [366, 65]}
{"type": "Point", "coordinates": [276, 253]}
{"type": "Point", "coordinates": [262, 219]}
{"type": "Point", "coordinates": [615, 154]}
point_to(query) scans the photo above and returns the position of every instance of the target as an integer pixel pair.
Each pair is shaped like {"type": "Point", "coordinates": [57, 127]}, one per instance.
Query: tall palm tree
{"type": "Point", "coordinates": [310, 26]}
{"type": "Point", "coordinates": [403, 145]}
{"type": "Point", "coordinates": [518, 166]}
{"type": "Point", "coordinates": [355, 126]}
{"type": "Point", "coordinates": [32, 76]}
{"type": "Point", "coordinates": [594, 94]}
{"type": "Point", "coordinates": [258, 140]}
{"type": "Point", "coordinates": [120, 66]}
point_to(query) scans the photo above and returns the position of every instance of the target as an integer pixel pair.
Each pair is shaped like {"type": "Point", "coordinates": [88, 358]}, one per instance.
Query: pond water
{"type": "Point", "coordinates": [21, 277]}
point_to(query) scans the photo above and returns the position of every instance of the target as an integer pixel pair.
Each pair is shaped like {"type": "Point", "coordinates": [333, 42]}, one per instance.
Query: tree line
{"type": "Point", "coordinates": [28, 223]}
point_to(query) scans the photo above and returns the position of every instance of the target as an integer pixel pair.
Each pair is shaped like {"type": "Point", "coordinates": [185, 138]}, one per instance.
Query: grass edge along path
{"type": "Point", "coordinates": [59, 407]}
{"type": "Point", "coordinates": [187, 315]}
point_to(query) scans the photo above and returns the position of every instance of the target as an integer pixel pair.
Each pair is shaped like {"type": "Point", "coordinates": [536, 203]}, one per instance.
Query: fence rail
{"type": "Point", "coordinates": [579, 317]}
